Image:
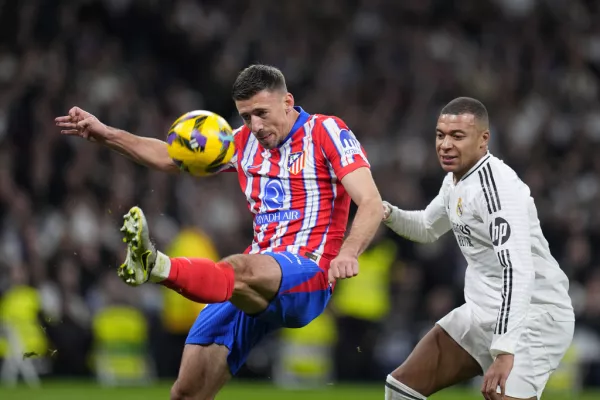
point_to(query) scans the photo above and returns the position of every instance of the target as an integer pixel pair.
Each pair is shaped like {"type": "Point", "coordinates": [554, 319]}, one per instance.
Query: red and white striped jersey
{"type": "Point", "coordinates": [295, 190]}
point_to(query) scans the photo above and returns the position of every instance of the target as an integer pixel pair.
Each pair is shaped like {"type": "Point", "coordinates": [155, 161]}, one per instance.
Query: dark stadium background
{"type": "Point", "coordinates": [385, 67]}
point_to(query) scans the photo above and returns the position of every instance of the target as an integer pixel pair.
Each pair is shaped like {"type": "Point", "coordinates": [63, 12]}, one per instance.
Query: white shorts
{"type": "Point", "coordinates": [539, 351]}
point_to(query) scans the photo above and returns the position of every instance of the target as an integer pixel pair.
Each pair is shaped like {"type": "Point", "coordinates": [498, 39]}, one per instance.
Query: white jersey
{"type": "Point", "coordinates": [511, 273]}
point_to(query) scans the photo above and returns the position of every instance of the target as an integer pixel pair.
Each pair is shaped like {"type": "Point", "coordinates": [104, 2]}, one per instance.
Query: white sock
{"type": "Point", "coordinates": [161, 269]}
{"type": "Point", "coordinates": [396, 390]}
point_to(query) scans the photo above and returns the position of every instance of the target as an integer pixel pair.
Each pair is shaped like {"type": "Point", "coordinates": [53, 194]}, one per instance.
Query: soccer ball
{"type": "Point", "coordinates": [200, 142]}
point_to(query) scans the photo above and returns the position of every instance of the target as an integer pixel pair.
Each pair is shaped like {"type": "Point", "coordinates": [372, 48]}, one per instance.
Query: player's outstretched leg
{"type": "Point", "coordinates": [210, 282]}
{"type": "Point", "coordinates": [248, 281]}
{"type": "Point", "coordinates": [436, 362]}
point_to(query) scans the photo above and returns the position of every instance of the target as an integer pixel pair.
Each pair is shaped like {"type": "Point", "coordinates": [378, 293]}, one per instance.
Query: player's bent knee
{"type": "Point", "coordinates": [243, 271]}
{"type": "Point", "coordinates": [254, 271]}
{"type": "Point", "coordinates": [247, 270]}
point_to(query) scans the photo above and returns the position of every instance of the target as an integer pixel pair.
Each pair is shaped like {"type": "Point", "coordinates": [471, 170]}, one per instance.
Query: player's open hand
{"type": "Point", "coordinates": [343, 266]}
{"type": "Point", "coordinates": [81, 123]}
{"type": "Point", "coordinates": [496, 376]}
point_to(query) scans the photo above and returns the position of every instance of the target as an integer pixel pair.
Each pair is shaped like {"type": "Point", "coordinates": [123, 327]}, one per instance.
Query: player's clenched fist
{"type": "Point", "coordinates": [343, 266]}
{"type": "Point", "coordinates": [81, 123]}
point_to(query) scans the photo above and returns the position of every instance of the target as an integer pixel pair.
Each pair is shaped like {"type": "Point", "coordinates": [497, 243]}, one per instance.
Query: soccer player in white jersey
{"type": "Point", "coordinates": [518, 321]}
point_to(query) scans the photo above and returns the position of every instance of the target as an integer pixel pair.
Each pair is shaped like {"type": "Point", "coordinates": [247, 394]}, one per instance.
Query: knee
{"type": "Point", "coordinates": [185, 392]}
{"type": "Point", "coordinates": [244, 272]}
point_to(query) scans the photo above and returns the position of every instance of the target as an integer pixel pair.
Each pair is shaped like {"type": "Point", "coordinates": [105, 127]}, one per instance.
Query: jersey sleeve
{"type": "Point", "coordinates": [422, 226]}
{"type": "Point", "coordinates": [341, 148]}
{"type": "Point", "coordinates": [503, 207]}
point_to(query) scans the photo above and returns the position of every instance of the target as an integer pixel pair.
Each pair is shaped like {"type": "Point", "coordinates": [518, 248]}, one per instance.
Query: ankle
{"type": "Point", "coordinates": [161, 268]}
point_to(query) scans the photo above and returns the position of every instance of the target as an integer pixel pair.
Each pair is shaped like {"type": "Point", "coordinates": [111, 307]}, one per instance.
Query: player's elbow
{"type": "Point", "coordinates": [426, 237]}
{"type": "Point", "coordinates": [435, 230]}
{"type": "Point", "coordinates": [431, 237]}
{"type": "Point", "coordinates": [373, 203]}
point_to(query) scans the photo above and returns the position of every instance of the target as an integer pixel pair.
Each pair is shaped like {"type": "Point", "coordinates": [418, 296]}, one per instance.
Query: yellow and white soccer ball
{"type": "Point", "coordinates": [200, 142]}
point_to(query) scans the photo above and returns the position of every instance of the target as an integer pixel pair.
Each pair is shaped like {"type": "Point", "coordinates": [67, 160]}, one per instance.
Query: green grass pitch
{"type": "Point", "coordinates": [235, 390]}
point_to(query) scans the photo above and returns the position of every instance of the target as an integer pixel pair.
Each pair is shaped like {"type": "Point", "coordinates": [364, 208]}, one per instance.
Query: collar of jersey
{"type": "Point", "coordinates": [301, 120]}
{"type": "Point", "coordinates": [476, 166]}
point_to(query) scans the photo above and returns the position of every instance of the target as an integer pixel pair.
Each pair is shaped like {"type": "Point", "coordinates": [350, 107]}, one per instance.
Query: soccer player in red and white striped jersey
{"type": "Point", "coordinates": [299, 173]}
{"type": "Point", "coordinates": [295, 189]}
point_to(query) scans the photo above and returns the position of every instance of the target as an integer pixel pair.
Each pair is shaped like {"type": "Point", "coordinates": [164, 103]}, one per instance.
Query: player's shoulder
{"type": "Point", "coordinates": [492, 175]}
{"type": "Point", "coordinates": [504, 174]}
{"type": "Point", "coordinates": [320, 118]}
{"type": "Point", "coordinates": [241, 131]}
{"type": "Point", "coordinates": [448, 179]}
{"type": "Point", "coordinates": [447, 182]}
{"type": "Point", "coordinates": [446, 187]}
{"type": "Point", "coordinates": [241, 136]}
{"type": "Point", "coordinates": [327, 123]}
{"type": "Point", "coordinates": [330, 130]}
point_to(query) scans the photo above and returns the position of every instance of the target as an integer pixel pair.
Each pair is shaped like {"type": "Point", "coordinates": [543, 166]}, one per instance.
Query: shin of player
{"type": "Point", "coordinates": [198, 279]}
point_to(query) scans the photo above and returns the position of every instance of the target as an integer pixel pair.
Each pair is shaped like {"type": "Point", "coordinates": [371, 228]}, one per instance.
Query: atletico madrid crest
{"type": "Point", "coordinates": [296, 162]}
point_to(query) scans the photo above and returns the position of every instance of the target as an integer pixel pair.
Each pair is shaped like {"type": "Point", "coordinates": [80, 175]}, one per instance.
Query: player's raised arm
{"type": "Point", "coordinates": [504, 207]}
{"type": "Point", "coordinates": [149, 152]}
{"type": "Point", "coordinates": [423, 226]}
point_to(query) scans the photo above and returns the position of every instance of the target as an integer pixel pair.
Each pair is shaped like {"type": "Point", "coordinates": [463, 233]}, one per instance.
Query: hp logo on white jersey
{"type": "Point", "coordinates": [499, 231]}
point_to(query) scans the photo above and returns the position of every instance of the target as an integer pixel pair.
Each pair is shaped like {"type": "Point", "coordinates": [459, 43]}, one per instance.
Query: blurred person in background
{"type": "Point", "coordinates": [178, 313]}
{"type": "Point", "coordinates": [305, 356]}
{"type": "Point", "coordinates": [120, 338]}
{"type": "Point", "coordinates": [23, 343]}
{"type": "Point", "coordinates": [67, 321]}
{"type": "Point", "coordinates": [360, 306]}
{"type": "Point", "coordinates": [588, 336]}
{"type": "Point", "coordinates": [518, 321]}
{"type": "Point", "coordinates": [299, 173]}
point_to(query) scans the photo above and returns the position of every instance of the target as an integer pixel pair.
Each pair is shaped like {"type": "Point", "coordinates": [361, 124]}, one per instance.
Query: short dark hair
{"type": "Point", "coordinates": [255, 79]}
{"type": "Point", "coordinates": [467, 105]}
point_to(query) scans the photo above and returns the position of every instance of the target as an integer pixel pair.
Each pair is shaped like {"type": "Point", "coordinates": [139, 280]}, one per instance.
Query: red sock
{"type": "Point", "coordinates": [201, 280]}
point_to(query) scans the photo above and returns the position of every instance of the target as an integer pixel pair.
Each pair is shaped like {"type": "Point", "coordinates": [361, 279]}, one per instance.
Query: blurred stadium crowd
{"type": "Point", "coordinates": [385, 67]}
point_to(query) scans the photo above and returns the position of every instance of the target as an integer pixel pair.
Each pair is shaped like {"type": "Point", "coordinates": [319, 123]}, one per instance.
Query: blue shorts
{"type": "Point", "coordinates": [303, 295]}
